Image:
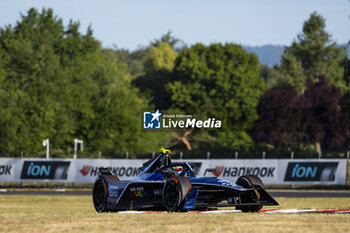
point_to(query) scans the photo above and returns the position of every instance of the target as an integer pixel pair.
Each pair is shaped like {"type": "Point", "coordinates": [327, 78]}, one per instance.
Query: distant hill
{"type": "Point", "coordinates": [271, 54]}
{"type": "Point", "coordinates": [268, 54]}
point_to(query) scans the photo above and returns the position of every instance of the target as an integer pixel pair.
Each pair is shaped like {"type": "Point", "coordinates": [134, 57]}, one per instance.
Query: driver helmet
{"type": "Point", "coordinates": [178, 169]}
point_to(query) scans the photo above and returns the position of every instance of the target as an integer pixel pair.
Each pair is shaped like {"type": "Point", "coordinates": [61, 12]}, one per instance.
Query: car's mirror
{"type": "Point", "coordinates": [209, 170]}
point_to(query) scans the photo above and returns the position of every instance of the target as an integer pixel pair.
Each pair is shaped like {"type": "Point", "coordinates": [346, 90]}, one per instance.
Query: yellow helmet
{"type": "Point", "coordinates": [165, 151]}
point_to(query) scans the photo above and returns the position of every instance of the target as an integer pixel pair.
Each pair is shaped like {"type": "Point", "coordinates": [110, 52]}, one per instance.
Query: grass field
{"type": "Point", "coordinates": [76, 214]}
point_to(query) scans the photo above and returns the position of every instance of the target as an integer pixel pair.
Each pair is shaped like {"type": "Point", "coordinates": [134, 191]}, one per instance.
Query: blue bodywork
{"type": "Point", "coordinates": [148, 185]}
{"type": "Point", "coordinates": [162, 185]}
{"type": "Point", "coordinates": [148, 175]}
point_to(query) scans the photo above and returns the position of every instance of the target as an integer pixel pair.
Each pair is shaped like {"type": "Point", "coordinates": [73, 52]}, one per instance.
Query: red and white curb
{"type": "Point", "coordinates": [273, 211]}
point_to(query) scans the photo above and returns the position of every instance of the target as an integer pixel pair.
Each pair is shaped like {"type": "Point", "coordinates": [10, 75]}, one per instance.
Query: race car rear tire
{"type": "Point", "coordinates": [99, 195]}
{"type": "Point", "coordinates": [251, 196]}
{"type": "Point", "coordinates": [175, 192]}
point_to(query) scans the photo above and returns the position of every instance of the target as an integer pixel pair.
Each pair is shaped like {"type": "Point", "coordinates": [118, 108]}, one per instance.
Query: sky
{"type": "Point", "coordinates": [134, 23]}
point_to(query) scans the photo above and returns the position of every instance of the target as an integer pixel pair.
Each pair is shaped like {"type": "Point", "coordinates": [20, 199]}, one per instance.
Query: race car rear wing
{"type": "Point", "coordinates": [106, 173]}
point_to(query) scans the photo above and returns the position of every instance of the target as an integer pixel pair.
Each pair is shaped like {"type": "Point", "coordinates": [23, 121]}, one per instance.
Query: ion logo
{"type": "Point", "coordinates": [36, 170]}
{"type": "Point", "coordinates": [299, 171]}
{"type": "Point", "coordinates": [311, 171]}
{"type": "Point", "coordinates": [151, 120]}
{"type": "Point", "coordinates": [45, 170]}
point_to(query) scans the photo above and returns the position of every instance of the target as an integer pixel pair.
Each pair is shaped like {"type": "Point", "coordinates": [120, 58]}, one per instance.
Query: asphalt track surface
{"type": "Point", "coordinates": [296, 194]}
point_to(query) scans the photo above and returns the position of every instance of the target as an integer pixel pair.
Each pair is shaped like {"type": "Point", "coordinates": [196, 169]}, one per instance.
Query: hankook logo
{"type": "Point", "coordinates": [218, 171]}
{"type": "Point", "coordinates": [5, 170]}
{"type": "Point", "coordinates": [85, 170]}
{"type": "Point", "coordinates": [241, 171]}
{"type": "Point", "coordinates": [88, 170]}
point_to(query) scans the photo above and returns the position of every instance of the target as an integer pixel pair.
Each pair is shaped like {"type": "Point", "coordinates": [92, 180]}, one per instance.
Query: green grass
{"type": "Point", "coordinates": [76, 214]}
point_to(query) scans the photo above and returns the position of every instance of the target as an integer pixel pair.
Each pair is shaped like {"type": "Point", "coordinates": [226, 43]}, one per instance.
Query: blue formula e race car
{"type": "Point", "coordinates": [163, 185]}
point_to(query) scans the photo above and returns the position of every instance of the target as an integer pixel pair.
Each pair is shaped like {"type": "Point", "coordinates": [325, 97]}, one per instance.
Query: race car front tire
{"type": "Point", "coordinates": [99, 195]}
{"type": "Point", "coordinates": [251, 196]}
{"type": "Point", "coordinates": [175, 192]}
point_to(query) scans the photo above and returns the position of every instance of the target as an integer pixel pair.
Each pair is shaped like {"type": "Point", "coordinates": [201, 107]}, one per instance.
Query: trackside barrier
{"type": "Point", "coordinates": [271, 171]}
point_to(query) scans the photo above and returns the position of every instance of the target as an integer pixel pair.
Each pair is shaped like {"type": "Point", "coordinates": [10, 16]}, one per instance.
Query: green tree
{"type": "Point", "coordinates": [159, 67]}
{"type": "Point", "coordinates": [134, 60]}
{"type": "Point", "coordinates": [161, 57]}
{"type": "Point", "coordinates": [169, 39]}
{"type": "Point", "coordinates": [269, 75]}
{"type": "Point", "coordinates": [220, 81]}
{"type": "Point", "coordinates": [312, 55]}
{"type": "Point", "coordinates": [58, 83]}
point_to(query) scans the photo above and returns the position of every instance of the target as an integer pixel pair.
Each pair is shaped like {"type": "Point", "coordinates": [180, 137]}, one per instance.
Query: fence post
{"type": "Point", "coordinates": [236, 154]}
{"type": "Point", "coordinates": [153, 154]}
{"type": "Point", "coordinates": [99, 154]}
{"type": "Point", "coordinates": [127, 155]}
{"type": "Point", "coordinates": [46, 143]}
{"type": "Point", "coordinates": [181, 155]}
{"type": "Point", "coordinates": [348, 154]}
{"type": "Point", "coordinates": [208, 155]}
{"type": "Point", "coordinates": [20, 183]}
{"type": "Point", "coordinates": [319, 155]}
{"type": "Point", "coordinates": [263, 154]}
{"type": "Point", "coordinates": [292, 157]}
{"type": "Point", "coordinates": [76, 143]}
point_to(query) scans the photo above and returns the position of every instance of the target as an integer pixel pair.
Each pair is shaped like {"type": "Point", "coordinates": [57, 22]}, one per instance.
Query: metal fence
{"type": "Point", "coordinates": [192, 155]}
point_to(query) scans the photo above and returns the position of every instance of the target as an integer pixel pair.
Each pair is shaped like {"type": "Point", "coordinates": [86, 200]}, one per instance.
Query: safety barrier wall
{"type": "Point", "coordinates": [271, 171]}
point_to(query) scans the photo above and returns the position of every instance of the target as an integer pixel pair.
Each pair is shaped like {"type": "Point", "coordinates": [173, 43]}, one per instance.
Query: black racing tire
{"type": "Point", "coordinates": [175, 192]}
{"type": "Point", "coordinates": [257, 180]}
{"type": "Point", "coordinates": [99, 195]}
{"type": "Point", "coordinates": [251, 196]}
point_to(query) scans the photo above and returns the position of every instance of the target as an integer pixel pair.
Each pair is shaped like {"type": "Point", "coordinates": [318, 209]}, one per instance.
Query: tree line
{"type": "Point", "coordinates": [59, 83]}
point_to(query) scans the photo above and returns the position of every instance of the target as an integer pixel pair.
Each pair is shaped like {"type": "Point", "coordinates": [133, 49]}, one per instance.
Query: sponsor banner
{"type": "Point", "coordinates": [52, 170]}
{"type": "Point", "coordinates": [311, 171]}
{"type": "Point", "coordinates": [36, 170]}
{"type": "Point", "coordinates": [65, 170]}
{"type": "Point", "coordinates": [281, 171]}
{"type": "Point", "coordinates": [7, 169]}
{"type": "Point", "coordinates": [268, 170]}
{"type": "Point", "coordinates": [271, 171]}
{"type": "Point", "coordinates": [86, 170]}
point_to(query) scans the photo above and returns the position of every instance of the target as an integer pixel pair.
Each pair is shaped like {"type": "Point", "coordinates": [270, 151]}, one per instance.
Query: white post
{"type": "Point", "coordinates": [127, 155]}
{"type": "Point", "coordinates": [208, 155]}
{"type": "Point", "coordinates": [236, 155]}
{"type": "Point", "coordinates": [348, 155]}
{"type": "Point", "coordinates": [153, 154]}
{"type": "Point", "coordinates": [292, 155]}
{"type": "Point", "coordinates": [76, 142]}
{"type": "Point", "coordinates": [263, 154]}
{"type": "Point", "coordinates": [181, 155]}
{"type": "Point", "coordinates": [319, 155]}
{"type": "Point", "coordinates": [46, 143]}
